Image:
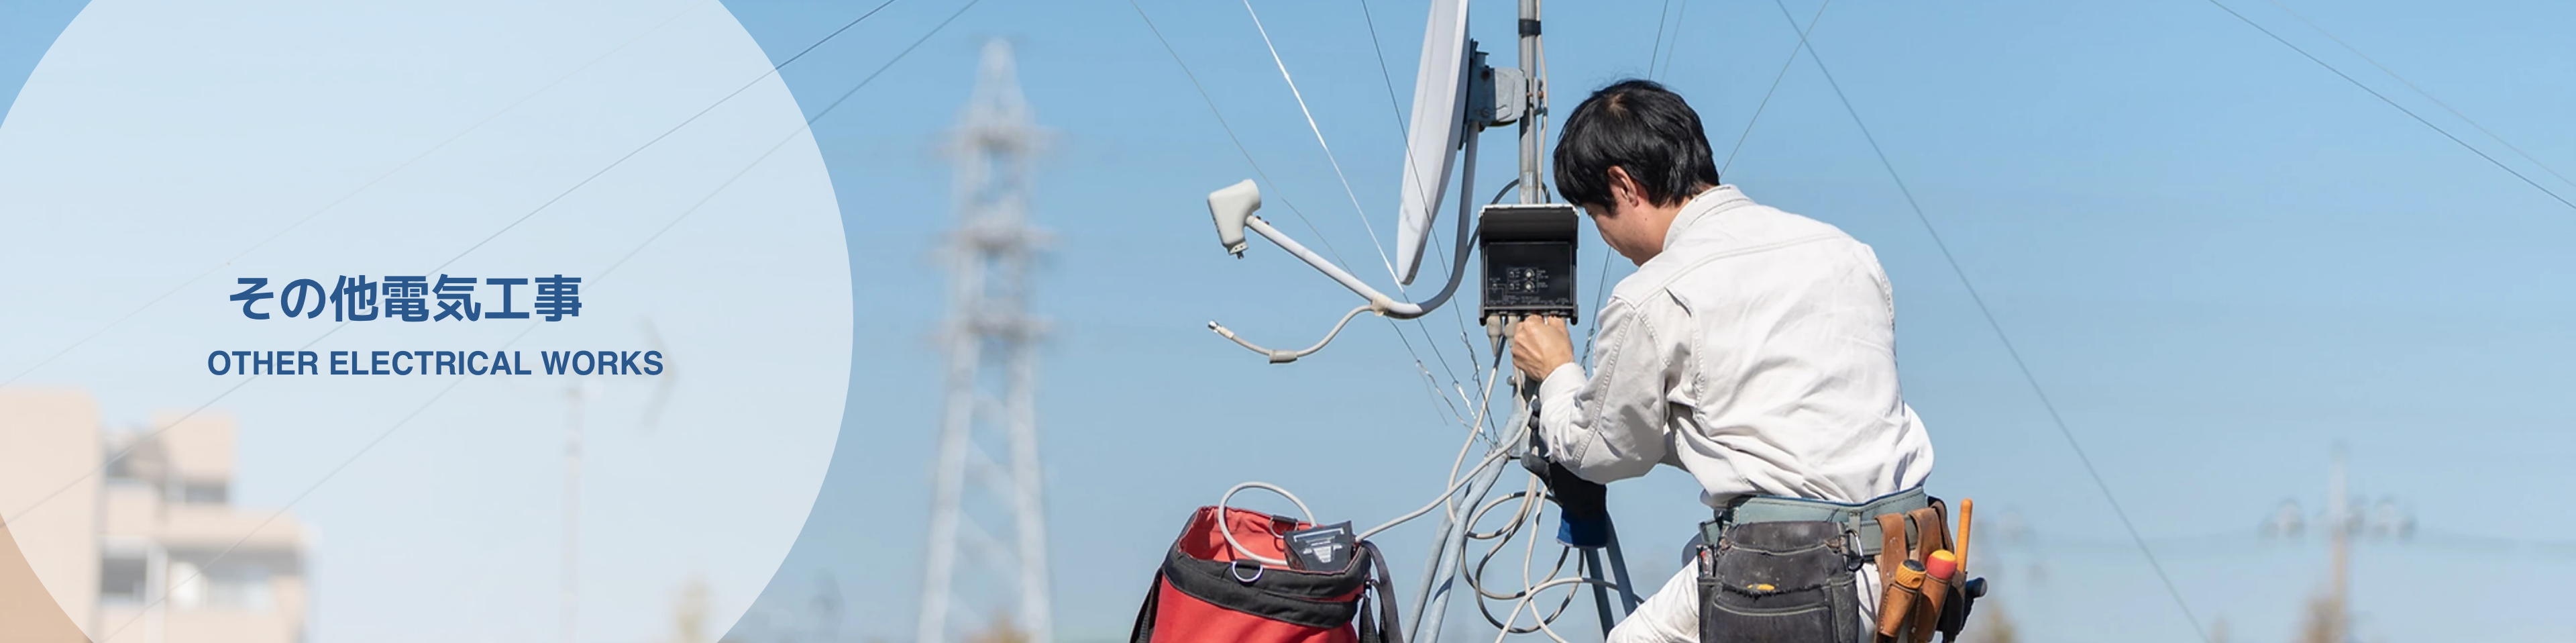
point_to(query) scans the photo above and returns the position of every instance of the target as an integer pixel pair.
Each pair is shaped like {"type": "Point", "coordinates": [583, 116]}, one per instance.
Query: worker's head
{"type": "Point", "coordinates": [1631, 155]}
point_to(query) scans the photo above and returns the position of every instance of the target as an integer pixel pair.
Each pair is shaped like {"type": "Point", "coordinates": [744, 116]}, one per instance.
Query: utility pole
{"type": "Point", "coordinates": [2333, 613]}
{"type": "Point", "coordinates": [992, 364]}
{"type": "Point", "coordinates": [578, 393]}
{"type": "Point", "coordinates": [2329, 613]}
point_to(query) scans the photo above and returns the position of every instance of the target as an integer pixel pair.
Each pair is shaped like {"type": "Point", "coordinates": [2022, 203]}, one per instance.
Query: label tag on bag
{"type": "Point", "coordinates": [1319, 549]}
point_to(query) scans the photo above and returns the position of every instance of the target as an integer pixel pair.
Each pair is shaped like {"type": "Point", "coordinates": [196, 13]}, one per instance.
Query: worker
{"type": "Point", "coordinates": [1753, 348]}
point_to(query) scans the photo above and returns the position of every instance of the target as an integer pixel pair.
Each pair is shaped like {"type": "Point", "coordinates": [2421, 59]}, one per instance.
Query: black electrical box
{"type": "Point", "coordinates": [1529, 259]}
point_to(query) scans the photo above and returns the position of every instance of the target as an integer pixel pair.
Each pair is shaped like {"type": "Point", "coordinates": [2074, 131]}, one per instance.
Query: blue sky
{"type": "Point", "coordinates": [2218, 258]}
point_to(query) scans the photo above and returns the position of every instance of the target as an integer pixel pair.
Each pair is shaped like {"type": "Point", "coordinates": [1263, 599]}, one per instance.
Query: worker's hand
{"type": "Point", "coordinates": [1539, 345]}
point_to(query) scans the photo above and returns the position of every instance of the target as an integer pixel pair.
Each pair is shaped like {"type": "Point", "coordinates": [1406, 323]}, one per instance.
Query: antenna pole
{"type": "Point", "coordinates": [1533, 186]}
{"type": "Point", "coordinates": [580, 394]}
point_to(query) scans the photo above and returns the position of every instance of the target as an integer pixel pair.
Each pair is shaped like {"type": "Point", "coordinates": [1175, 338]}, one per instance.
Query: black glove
{"type": "Point", "coordinates": [1585, 504]}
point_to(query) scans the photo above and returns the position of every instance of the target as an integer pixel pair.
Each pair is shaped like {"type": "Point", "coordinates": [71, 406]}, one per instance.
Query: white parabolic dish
{"type": "Point", "coordinates": [1439, 99]}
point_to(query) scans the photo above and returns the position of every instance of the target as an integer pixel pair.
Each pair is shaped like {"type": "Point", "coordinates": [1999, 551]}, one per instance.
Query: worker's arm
{"type": "Point", "coordinates": [1607, 425]}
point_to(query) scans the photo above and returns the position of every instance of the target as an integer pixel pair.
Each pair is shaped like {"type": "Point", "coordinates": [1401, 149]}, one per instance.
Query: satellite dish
{"type": "Point", "coordinates": [1439, 107]}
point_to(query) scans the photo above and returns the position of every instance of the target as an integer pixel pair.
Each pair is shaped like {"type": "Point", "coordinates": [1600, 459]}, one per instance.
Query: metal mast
{"type": "Point", "coordinates": [986, 518]}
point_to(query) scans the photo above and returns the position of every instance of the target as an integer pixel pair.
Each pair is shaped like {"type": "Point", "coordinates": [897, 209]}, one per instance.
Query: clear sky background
{"type": "Point", "coordinates": [2220, 259]}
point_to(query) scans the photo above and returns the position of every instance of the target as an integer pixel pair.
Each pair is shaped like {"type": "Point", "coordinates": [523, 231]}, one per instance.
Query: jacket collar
{"type": "Point", "coordinates": [1710, 202]}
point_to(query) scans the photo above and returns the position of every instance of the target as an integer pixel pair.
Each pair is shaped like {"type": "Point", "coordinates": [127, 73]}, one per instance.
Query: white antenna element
{"type": "Point", "coordinates": [992, 365]}
{"type": "Point", "coordinates": [1439, 107]}
{"type": "Point", "coordinates": [1233, 208]}
{"type": "Point", "coordinates": [1443, 121]}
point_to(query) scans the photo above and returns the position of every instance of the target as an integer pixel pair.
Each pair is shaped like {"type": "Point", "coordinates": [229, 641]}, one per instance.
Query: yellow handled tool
{"type": "Point", "coordinates": [1967, 515]}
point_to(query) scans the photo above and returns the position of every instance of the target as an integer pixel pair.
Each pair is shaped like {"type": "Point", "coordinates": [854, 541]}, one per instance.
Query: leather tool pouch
{"type": "Point", "coordinates": [1910, 601]}
{"type": "Point", "coordinates": [1779, 582]}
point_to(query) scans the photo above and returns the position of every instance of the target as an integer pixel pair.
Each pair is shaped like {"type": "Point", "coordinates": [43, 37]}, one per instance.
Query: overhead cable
{"type": "Point", "coordinates": [1329, 157]}
{"type": "Point", "coordinates": [773, 69]}
{"type": "Point", "coordinates": [532, 326]}
{"type": "Point", "coordinates": [2419, 91]}
{"type": "Point", "coordinates": [2009, 350]}
{"type": "Point", "coordinates": [1653, 71]}
{"type": "Point", "coordinates": [2553, 194]}
{"type": "Point", "coordinates": [399, 167]}
{"type": "Point", "coordinates": [1424, 369]}
{"type": "Point", "coordinates": [1336, 162]}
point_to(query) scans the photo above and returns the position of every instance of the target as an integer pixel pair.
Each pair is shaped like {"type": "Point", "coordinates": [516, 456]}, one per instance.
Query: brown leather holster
{"type": "Point", "coordinates": [1909, 604]}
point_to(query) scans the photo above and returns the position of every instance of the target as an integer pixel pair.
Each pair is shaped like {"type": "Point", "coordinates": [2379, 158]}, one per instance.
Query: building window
{"type": "Point", "coordinates": [204, 493]}
{"type": "Point", "coordinates": [238, 588]}
{"type": "Point", "coordinates": [122, 578]}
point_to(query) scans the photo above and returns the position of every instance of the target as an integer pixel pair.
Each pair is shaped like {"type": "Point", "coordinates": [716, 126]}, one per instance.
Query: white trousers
{"type": "Point", "coordinates": [1672, 614]}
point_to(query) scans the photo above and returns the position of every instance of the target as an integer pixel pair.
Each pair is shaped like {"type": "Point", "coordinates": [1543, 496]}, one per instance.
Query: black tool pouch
{"type": "Point", "coordinates": [1779, 582]}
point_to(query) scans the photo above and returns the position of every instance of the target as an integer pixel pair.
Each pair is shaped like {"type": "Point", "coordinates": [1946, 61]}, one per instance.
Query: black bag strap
{"type": "Point", "coordinates": [1306, 599]}
{"type": "Point", "coordinates": [1144, 630]}
{"type": "Point", "coordinates": [1388, 628]}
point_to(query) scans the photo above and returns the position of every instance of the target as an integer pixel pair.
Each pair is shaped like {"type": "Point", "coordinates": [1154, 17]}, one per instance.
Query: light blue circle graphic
{"type": "Point", "coordinates": [165, 151]}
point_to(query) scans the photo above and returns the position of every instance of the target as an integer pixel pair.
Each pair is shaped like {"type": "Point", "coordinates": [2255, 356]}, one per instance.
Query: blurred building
{"type": "Point", "coordinates": [153, 550]}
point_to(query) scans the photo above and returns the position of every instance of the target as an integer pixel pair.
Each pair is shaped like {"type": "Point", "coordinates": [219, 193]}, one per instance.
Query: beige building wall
{"type": "Point", "coordinates": [172, 498]}
{"type": "Point", "coordinates": [158, 522]}
{"type": "Point", "coordinates": [50, 447]}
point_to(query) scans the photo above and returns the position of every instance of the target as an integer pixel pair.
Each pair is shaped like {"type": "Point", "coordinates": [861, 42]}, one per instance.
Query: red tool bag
{"type": "Point", "coordinates": [1207, 593]}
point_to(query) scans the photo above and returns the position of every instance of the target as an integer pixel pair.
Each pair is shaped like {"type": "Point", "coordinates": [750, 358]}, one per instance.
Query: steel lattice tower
{"type": "Point", "coordinates": [987, 526]}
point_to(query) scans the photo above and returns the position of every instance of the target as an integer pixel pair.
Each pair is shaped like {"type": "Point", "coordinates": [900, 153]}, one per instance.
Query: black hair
{"type": "Point", "coordinates": [1640, 127]}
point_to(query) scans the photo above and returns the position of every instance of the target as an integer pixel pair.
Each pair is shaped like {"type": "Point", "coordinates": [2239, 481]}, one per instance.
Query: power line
{"type": "Point", "coordinates": [532, 326]}
{"type": "Point", "coordinates": [1601, 278]}
{"type": "Point", "coordinates": [1246, 151]}
{"type": "Point", "coordinates": [1783, 74]}
{"type": "Point", "coordinates": [352, 193]}
{"type": "Point", "coordinates": [612, 165]}
{"type": "Point", "coordinates": [1384, 77]}
{"type": "Point", "coordinates": [158, 597]}
{"type": "Point", "coordinates": [2033, 380]}
{"type": "Point", "coordinates": [1654, 51]}
{"type": "Point", "coordinates": [1336, 161]}
{"type": "Point", "coordinates": [416, 158]}
{"type": "Point", "coordinates": [1374, 242]}
{"type": "Point", "coordinates": [1395, 107]}
{"type": "Point", "coordinates": [2392, 103]}
{"type": "Point", "coordinates": [2482, 129]}
{"type": "Point", "coordinates": [1651, 70]}
{"type": "Point", "coordinates": [120, 455]}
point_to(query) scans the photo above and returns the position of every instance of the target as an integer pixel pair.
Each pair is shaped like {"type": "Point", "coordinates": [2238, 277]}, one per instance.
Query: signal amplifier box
{"type": "Point", "coordinates": [1529, 259]}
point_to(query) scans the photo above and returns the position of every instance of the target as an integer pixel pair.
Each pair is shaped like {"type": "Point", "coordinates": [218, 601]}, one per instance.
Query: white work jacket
{"type": "Point", "coordinates": [1757, 352]}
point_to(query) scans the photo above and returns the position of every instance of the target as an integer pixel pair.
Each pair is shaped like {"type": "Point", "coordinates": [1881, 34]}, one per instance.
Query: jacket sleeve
{"type": "Point", "coordinates": [1610, 425]}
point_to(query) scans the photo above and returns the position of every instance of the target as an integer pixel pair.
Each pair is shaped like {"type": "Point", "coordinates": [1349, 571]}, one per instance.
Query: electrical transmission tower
{"type": "Point", "coordinates": [987, 527]}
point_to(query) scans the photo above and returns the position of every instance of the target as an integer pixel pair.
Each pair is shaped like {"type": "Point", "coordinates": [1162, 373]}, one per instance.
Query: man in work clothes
{"type": "Point", "coordinates": [1753, 348]}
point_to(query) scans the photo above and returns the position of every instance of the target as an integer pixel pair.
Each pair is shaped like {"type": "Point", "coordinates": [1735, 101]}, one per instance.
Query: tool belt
{"type": "Point", "coordinates": [1784, 570]}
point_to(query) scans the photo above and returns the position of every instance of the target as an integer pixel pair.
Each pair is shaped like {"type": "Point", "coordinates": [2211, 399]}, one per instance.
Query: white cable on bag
{"type": "Point", "coordinates": [1226, 527]}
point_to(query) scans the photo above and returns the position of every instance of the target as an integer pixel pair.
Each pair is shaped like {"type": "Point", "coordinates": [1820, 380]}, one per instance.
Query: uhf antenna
{"type": "Point", "coordinates": [1456, 97]}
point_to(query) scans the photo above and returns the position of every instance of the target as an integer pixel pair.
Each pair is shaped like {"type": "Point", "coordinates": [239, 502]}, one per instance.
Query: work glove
{"type": "Point", "coordinates": [1583, 505]}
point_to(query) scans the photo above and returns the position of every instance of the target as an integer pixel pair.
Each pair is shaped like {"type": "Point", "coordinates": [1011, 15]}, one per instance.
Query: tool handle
{"type": "Point", "coordinates": [1967, 517]}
